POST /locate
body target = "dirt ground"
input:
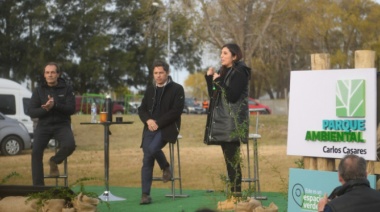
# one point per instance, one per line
(201, 165)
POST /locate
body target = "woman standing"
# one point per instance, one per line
(228, 116)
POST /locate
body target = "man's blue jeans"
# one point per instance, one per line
(152, 145)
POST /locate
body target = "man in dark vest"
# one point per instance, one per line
(355, 193)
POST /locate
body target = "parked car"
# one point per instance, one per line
(14, 102)
(128, 107)
(135, 104)
(255, 106)
(14, 136)
(192, 107)
(83, 104)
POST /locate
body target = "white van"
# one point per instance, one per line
(14, 102)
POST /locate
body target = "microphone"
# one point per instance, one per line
(213, 86)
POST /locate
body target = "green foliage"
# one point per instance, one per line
(97, 43)
(196, 84)
(9, 176)
(64, 193)
(299, 163)
(230, 184)
(283, 181)
(54, 193)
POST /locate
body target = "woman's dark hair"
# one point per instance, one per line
(235, 51)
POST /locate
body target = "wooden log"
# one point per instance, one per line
(326, 164)
(366, 59)
(310, 163)
(320, 61)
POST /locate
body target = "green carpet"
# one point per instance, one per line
(197, 199)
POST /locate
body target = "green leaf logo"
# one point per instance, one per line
(350, 98)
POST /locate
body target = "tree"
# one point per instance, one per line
(278, 36)
(280, 51)
(34, 15)
(196, 85)
(244, 22)
(105, 45)
(81, 27)
(12, 42)
(101, 45)
(147, 37)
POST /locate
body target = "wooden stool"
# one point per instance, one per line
(63, 175)
(172, 168)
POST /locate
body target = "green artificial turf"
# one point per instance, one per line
(197, 199)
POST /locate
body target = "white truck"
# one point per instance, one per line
(14, 102)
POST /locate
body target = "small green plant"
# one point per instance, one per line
(64, 193)
(55, 193)
(9, 176)
(299, 163)
(284, 182)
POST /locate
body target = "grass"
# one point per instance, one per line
(201, 165)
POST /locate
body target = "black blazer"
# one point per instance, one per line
(171, 107)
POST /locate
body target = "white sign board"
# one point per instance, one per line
(332, 113)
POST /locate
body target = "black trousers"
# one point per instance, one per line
(42, 135)
(231, 152)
